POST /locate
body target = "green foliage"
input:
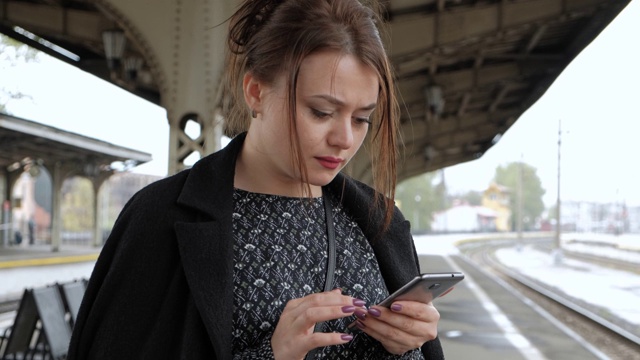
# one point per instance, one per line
(473, 198)
(13, 52)
(532, 192)
(419, 198)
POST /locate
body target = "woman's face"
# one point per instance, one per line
(335, 97)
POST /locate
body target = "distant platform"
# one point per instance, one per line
(39, 255)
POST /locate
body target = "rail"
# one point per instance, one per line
(606, 336)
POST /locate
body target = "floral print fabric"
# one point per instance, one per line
(280, 253)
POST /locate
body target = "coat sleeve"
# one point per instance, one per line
(402, 241)
(394, 250)
(137, 304)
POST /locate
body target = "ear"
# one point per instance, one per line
(252, 89)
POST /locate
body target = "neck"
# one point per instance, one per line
(252, 174)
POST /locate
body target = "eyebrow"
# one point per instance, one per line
(338, 102)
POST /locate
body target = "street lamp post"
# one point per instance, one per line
(416, 215)
(557, 253)
(520, 203)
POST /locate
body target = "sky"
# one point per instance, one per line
(595, 100)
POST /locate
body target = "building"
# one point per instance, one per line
(464, 218)
(497, 198)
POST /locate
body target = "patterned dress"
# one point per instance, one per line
(280, 253)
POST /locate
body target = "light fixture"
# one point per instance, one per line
(434, 101)
(496, 139)
(114, 45)
(430, 153)
(34, 170)
(91, 169)
(132, 66)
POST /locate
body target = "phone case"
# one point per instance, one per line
(424, 288)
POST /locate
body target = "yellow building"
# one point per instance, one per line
(496, 198)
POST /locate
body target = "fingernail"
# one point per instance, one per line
(359, 303)
(348, 309)
(375, 312)
(360, 325)
(396, 307)
(360, 314)
(346, 337)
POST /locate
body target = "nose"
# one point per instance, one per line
(341, 133)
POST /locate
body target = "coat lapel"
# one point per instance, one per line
(206, 244)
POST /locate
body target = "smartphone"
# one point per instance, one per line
(424, 288)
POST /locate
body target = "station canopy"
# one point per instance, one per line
(30, 145)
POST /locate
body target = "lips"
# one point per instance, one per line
(329, 162)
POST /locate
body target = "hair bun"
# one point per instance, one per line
(253, 15)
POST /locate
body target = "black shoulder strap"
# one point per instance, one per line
(331, 257)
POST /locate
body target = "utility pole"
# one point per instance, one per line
(520, 203)
(557, 254)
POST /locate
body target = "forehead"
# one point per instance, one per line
(341, 75)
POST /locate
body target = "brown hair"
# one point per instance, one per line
(270, 38)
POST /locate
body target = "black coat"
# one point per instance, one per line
(162, 287)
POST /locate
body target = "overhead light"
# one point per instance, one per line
(91, 169)
(34, 170)
(13, 167)
(114, 45)
(434, 100)
(132, 66)
(430, 153)
(496, 139)
(43, 42)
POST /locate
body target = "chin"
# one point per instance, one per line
(321, 179)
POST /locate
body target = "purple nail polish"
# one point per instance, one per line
(360, 314)
(396, 307)
(346, 337)
(348, 309)
(360, 325)
(375, 312)
(358, 302)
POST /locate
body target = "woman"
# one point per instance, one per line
(264, 249)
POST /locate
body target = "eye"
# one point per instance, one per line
(319, 114)
(363, 120)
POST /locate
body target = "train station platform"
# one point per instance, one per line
(38, 255)
(481, 318)
(484, 318)
(32, 266)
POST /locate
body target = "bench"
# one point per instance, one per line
(43, 322)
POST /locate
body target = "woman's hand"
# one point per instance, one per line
(294, 336)
(405, 326)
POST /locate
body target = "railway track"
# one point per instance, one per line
(8, 309)
(9, 305)
(612, 337)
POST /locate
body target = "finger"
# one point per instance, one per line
(416, 310)
(297, 347)
(319, 339)
(394, 340)
(396, 326)
(333, 297)
(303, 313)
(410, 317)
(312, 315)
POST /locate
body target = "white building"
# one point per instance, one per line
(464, 218)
